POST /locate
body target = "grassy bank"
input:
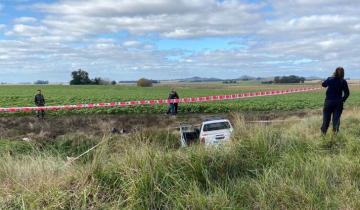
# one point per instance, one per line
(279, 166)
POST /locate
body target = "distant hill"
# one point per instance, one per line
(200, 79)
(214, 79)
(129, 81)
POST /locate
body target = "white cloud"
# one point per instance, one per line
(307, 7)
(25, 20)
(272, 37)
(27, 30)
(356, 27)
(110, 8)
(177, 19)
(132, 44)
(320, 21)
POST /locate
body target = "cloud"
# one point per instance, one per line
(132, 44)
(27, 30)
(307, 7)
(119, 38)
(25, 20)
(111, 8)
(176, 19)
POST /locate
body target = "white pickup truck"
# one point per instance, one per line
(211, 132)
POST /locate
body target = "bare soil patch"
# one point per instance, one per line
(97, 125)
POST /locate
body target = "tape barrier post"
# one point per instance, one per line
(160, 101)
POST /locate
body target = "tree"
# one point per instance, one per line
(101, 81)
(97, 81)
(144, 83)
(277, 79)
(41, 82)
(113, 82)
(231, 81)
(289, 79)
(80, 77)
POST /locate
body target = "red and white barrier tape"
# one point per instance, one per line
(161, 101)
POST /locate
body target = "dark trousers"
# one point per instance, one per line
(332, 108)
(171, 109)
(176, 107)
(40, 113)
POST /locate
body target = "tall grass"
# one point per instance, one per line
(287, 166)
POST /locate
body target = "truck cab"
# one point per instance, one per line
(213, 131)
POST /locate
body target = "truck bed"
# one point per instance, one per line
(189, 135)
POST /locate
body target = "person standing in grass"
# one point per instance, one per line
(173, 106)
(176, 96)
(40, 102)
(336, 94)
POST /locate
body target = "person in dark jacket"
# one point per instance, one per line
(176, 96)
(40, 102)
(173, 106)
(336, 94)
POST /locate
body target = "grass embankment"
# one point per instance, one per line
(287, 166)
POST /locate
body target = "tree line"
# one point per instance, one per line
(286, 79)
(81, 77)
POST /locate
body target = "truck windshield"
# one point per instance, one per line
(216, 126)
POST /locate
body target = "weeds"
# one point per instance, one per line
(265, 167)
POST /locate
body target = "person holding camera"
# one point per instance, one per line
(336, 94)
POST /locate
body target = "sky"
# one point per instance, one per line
(172, 39)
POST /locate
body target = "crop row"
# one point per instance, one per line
(59, 95)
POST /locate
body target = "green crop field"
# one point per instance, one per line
(63, 94)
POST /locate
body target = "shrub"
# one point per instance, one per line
(144, 82)
(41, 82)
